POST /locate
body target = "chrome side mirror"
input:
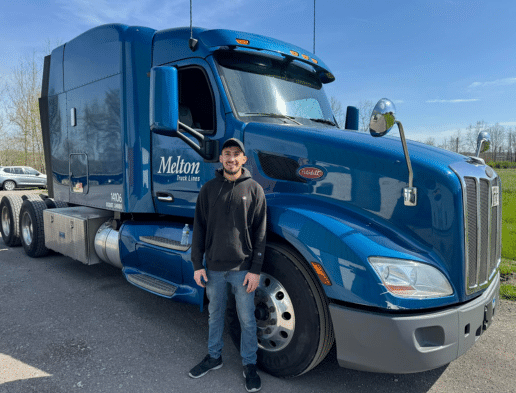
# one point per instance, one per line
(382, 120)
(483, 142)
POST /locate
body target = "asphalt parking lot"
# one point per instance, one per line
(68, 327)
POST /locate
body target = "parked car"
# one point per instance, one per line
(12, 177)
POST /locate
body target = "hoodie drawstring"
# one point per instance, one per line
(230, 200)
(228, 207)
(216, 199)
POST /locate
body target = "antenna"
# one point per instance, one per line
(192, 42)
(314, 27)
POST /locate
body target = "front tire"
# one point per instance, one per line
(295, 332)
(32, 228)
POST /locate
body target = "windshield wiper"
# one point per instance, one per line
(325, 121)
(275, 115)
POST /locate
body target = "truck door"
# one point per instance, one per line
(178, 171)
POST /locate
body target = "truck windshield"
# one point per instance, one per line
(274, 88)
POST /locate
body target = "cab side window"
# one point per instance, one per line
(196, 104)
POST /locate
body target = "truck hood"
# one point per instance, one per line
(358, 175)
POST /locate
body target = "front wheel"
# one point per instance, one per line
(32, 228)
(295, 332)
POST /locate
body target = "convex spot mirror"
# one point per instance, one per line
(163, 100)
(383, 118)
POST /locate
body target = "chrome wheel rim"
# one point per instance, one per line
(9, 185)
(27, 228)
(274, 313)
(6, 222)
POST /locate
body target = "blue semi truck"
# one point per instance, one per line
(388, 250)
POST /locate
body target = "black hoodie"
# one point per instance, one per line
(230, 224)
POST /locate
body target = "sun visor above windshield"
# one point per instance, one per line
(215, 39)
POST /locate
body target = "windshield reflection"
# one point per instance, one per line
(274, 88)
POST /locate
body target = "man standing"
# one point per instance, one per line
(229, 231)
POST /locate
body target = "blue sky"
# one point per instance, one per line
(446, 64)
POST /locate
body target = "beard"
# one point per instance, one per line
(232, 173)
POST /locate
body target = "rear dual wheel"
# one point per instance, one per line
(295, 332)
(9, 215)
(32, 228)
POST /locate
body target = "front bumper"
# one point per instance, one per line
(400, 344)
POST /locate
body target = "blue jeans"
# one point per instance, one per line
(216, 290)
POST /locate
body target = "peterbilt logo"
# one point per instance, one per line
(310, 172)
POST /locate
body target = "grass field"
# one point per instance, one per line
(508, 177)
(508, 266)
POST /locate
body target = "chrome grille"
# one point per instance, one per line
(482, 227)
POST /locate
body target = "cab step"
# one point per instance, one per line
(150, 283)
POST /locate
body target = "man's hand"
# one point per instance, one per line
(251, 280)
(198, 274)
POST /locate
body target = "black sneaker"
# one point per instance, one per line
(207, 364)
(253, 382)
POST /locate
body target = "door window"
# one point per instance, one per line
(196, 100)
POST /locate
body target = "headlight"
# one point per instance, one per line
(410, 279)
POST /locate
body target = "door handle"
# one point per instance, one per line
(165, 197)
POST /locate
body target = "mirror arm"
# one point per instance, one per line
(480, 147)
(410, 192)
(206, 147)
(407, 156)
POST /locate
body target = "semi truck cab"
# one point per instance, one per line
(388, 250)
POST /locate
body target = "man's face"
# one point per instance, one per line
(232, 159)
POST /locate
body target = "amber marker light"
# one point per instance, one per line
(242, 41)
(305, 57)
(315, 61)
(321, 273)
(294, 53)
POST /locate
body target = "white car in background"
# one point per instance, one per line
(12, 177)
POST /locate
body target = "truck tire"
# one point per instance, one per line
(295, 332)
(9, 215)
(52, 203)
(32, 228)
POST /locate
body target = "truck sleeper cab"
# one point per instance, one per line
(133, 120)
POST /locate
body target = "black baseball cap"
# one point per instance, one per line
(234, 142)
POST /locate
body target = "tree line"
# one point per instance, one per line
(20, 127)
(503, 139)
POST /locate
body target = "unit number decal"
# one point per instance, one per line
(116, 201)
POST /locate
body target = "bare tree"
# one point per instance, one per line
(497, 140)
(430, 141)
(365, 108)
(338, 112)
(511, 144)
(23, 112)
(457, 142)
